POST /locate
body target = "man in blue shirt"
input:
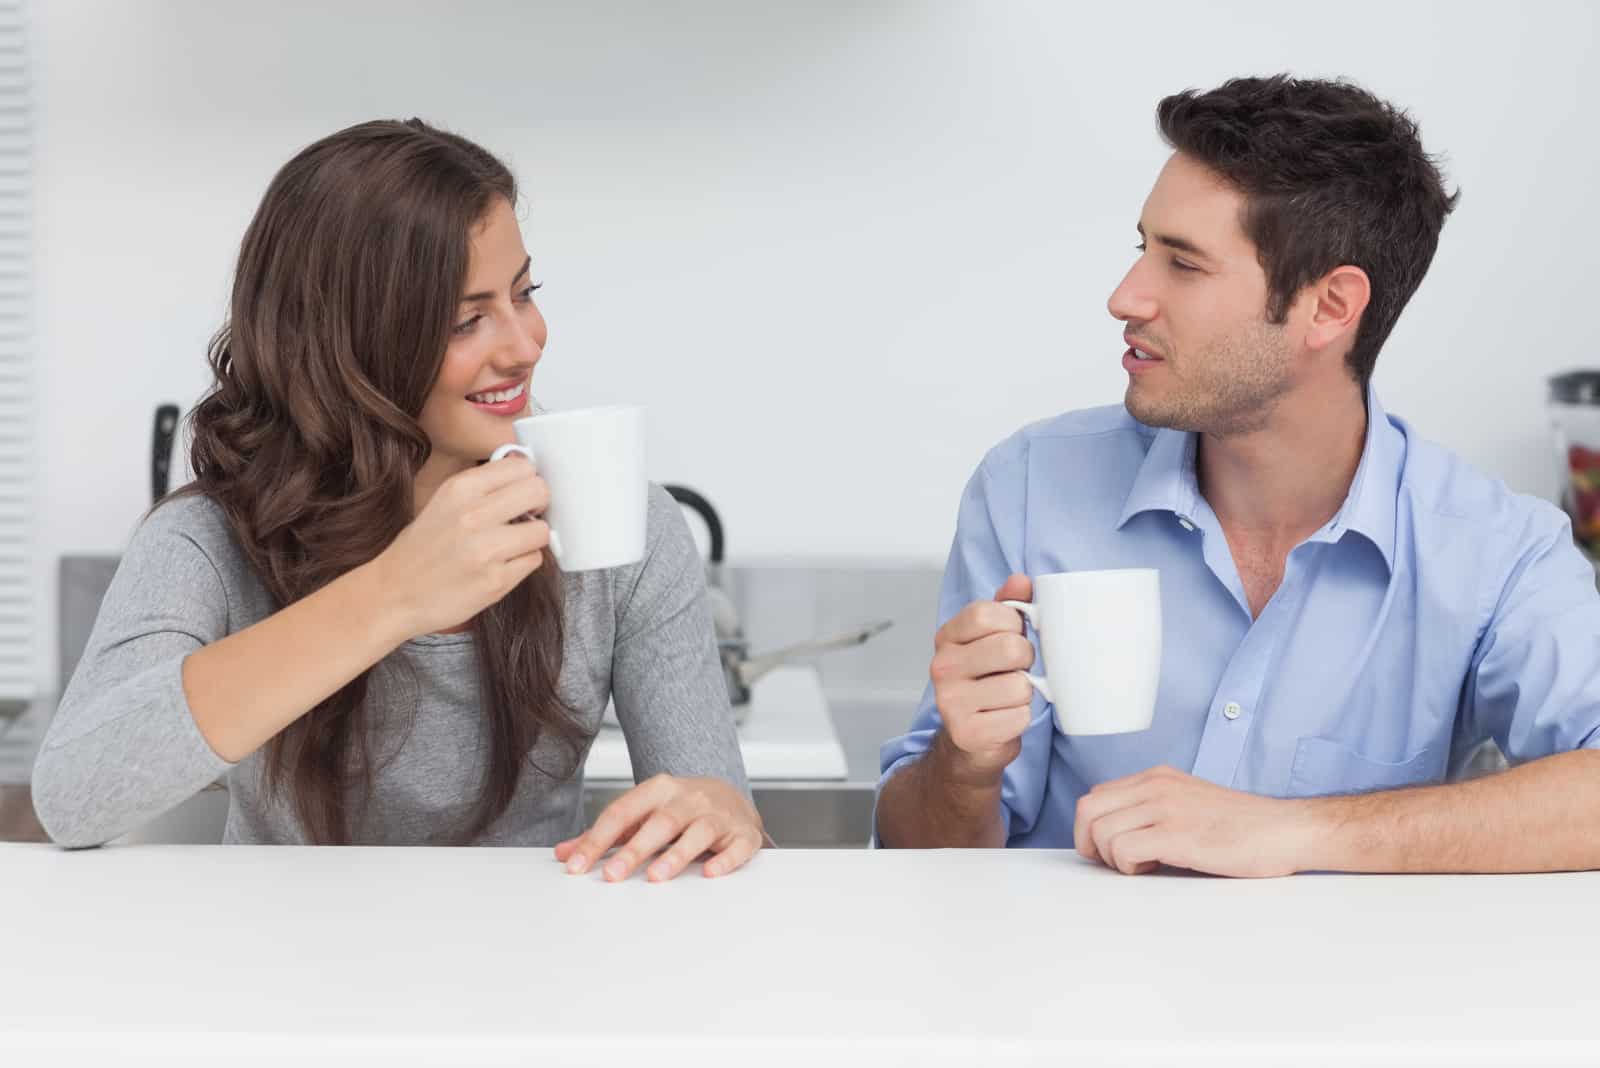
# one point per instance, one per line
(1348, 611)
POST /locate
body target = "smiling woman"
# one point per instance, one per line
(339, 615)
(494, 345)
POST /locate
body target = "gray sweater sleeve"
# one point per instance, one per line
(123, 747)
(666, 674)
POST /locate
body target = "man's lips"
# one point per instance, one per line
(1143, 347)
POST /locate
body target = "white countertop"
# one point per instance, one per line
(495, 956)
(787, 734)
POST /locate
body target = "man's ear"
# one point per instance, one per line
(1337, 303)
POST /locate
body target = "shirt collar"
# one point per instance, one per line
(1167, 482)
(1369, 508)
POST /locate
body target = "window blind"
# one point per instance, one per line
(17, 417)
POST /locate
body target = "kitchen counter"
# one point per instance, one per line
(802, 811)
(179, 955)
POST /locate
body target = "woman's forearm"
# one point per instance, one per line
(245, 688)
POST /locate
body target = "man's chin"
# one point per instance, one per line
(1149, 411)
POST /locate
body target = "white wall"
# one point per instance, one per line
(838, 249)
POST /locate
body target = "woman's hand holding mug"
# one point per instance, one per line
(464, 551)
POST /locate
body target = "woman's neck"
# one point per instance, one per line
(434, 471)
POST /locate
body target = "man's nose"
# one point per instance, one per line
(1132, 300)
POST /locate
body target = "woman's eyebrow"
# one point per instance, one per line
(486, 295)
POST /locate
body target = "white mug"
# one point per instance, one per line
(593, 461)
(1100, 636)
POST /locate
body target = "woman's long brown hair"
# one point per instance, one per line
(348, 282)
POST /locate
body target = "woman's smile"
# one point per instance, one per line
(502, 400)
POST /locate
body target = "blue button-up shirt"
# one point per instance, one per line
(1436, 610)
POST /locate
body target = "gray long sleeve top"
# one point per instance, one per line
(123, 746)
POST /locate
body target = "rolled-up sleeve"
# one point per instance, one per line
(1534, 686)
(987, 550)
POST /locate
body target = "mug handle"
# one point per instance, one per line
(1030, 613)
(507, 450)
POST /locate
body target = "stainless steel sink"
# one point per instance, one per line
(820, 815)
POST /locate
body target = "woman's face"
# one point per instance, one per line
(497, 339)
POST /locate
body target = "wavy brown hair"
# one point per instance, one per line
(347, 285)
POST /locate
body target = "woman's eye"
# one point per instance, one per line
(466, 327)
(527, 294)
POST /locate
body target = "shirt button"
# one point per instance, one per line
(1185, 524)
(1231, 710)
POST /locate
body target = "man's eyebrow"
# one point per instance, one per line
(1182, 244)
(486, 295)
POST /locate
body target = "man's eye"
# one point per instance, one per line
(467, 326)
(1180, 265)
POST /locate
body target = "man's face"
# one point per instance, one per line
(1195, 302)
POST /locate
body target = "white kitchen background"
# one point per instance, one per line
(839, 249)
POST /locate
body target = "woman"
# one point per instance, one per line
(340, 616)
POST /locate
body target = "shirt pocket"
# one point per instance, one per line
(1324, 767)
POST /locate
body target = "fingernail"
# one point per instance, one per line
(614, 870)
(577, 863)
(658, 871)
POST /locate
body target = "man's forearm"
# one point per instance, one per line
(1542, 816)
(928, 805)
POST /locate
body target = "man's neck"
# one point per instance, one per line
(1282, 482)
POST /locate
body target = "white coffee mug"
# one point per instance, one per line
(593, 461)
(1100, 636)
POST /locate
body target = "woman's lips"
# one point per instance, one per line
(514, 406)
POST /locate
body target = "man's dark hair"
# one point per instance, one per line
(1331, 175)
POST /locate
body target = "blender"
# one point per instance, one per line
(1574, 409)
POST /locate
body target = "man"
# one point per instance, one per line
(1348, 611)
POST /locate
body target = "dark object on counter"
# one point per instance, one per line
(731, 644)
(688, 497)
(1576, 387)
(166, 429)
